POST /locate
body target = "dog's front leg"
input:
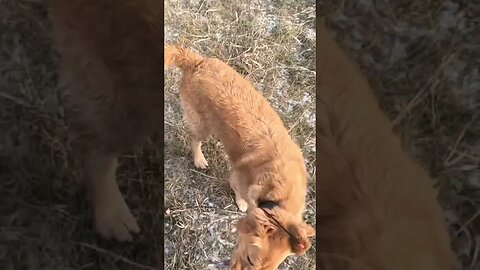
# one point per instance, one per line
(236, 185)
(112, 215)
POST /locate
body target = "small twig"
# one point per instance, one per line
(203, 174)
(298, 120)
(301, 68)
(419, 97)
(447, 162)
(14, 99)
(470, 220)
(476, 252)
(201, 5)
(431, 85)
(116, 256)
(200, 40)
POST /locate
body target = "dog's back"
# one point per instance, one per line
(378, 209)
(238, 114)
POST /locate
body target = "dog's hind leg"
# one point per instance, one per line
(198, 132)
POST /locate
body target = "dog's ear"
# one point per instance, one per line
(244, 225)
(309, 230)
(300, 240)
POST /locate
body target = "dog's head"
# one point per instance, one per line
(262, 243)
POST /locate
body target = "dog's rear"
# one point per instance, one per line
(180, 57)
(377, 208)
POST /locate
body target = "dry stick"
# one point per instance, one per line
(419, 97)
(470, 220)
(476, 252)
(203, 174)
(448, 162)
(116, 256)
(422, 94)
(14, 99)
(298, 120)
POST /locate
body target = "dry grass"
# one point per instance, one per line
(422, 58)
(271, 44)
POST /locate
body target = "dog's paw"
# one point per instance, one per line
(200, 162)
(242, 205)
(114, 220)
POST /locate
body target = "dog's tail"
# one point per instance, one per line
(180, 57)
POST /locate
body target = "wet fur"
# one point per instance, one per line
(266, 163)
(377, 209)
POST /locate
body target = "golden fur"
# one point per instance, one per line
(266, 163)
(110, 60)
(377, 209)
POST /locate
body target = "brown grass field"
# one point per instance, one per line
(273, 45)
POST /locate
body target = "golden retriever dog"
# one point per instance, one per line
(268, 174)
(377, 209)
(110, 60)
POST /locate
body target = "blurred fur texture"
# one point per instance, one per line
(377, 209)
(110, 61)
(267, 165)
